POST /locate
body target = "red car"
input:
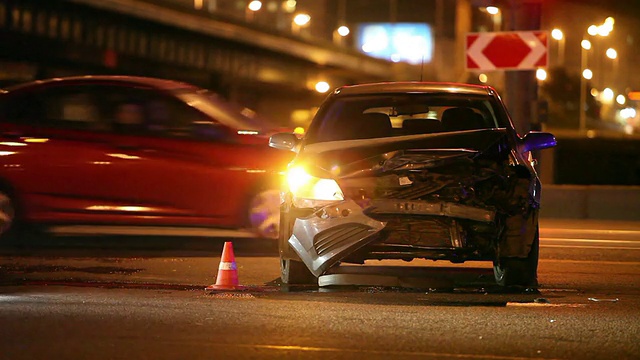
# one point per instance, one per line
(114, 153)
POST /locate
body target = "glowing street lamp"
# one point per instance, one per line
(558, 35)
(299, 21)
(343, 31)
(541, 74)
(322, 87)
(496, 15)
(612, 53)
(340, 33)
(586, 75)
(252, 8)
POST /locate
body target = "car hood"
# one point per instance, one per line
(364, 157)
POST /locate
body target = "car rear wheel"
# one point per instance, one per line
(7, 215)
(519, 271)
(264, 213)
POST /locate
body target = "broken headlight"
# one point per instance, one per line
(309, 191)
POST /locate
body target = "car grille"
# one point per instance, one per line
(420, 231)
(339, 236)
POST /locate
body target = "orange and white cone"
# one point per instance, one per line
(227, 278)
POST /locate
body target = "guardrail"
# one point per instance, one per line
(591, 202)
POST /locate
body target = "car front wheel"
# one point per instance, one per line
(519, 271)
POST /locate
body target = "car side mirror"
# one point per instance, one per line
(538, 140)
(284, 141)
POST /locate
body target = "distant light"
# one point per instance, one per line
(620, 99)
(594, 92)
(587, 74)
(628, 113)
(541, 74)
(557, 34)
(483, 78)
(604, 30)
(492, 10)
(609, 21)
(607, 95)
(612, 53)
(586, 44)
(634, 95)
(322, 87)
(302, 19)
(343, 31)
(255, 5)
(289, 6)
(299, 130)
(592, 30)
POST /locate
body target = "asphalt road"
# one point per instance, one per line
(105, 299)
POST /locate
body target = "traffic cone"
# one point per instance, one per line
(227, 278)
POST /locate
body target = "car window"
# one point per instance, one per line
(362, 117)
(134, 111)
(68, 107)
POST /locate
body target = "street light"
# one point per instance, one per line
(496, 16)
(299, 21)
(252, 8)
(586, 75)
(340, 33)
(558, 35)
(594, 30)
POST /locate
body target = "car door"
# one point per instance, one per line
(172, 164)
(65, 152)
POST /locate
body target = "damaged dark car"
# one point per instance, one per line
(411, 171)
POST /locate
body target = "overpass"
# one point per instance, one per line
(270, 71)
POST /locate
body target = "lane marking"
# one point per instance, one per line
(590, 231)
(566, 261)
(436, 355)
(590, 240)
(591, 247)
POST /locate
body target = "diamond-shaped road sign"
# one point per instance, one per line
(510, 50)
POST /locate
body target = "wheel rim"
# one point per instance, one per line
(7, 213)
(264, 213)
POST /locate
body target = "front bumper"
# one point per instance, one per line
(334, 232)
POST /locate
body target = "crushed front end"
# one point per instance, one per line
(452, 203)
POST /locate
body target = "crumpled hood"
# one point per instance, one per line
(367, 157)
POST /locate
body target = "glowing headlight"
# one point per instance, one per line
(304, 186)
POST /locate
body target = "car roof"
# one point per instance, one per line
(414, 87)
(161, 84)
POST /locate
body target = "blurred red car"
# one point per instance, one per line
(113, 153)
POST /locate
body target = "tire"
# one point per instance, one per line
(519, 271)
(264, 213)
(8, 226)
(292, 270)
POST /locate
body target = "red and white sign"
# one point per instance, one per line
(511, 50)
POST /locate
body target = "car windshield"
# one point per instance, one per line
(367, 116)
(230, 114)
